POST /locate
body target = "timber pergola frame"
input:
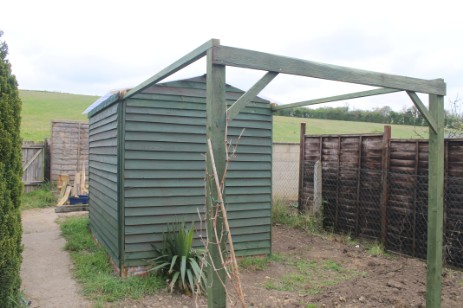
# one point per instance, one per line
(218, 57)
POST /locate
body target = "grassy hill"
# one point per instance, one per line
(41, 107)
(287, 129)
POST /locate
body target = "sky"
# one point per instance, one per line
(93, 47)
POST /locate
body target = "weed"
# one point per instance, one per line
(376, 249)
(94, 271)
(40, 198)
(286, 214)
(311, 305)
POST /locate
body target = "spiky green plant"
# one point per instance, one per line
(179, 262)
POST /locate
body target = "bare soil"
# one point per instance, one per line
(381, 281)
(362, 280)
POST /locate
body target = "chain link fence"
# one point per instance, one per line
(285, 172)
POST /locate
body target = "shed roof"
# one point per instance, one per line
(113, 96)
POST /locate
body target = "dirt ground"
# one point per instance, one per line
(341, 274)
(370, 281)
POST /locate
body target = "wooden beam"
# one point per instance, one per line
(435, 203)
(247, 97)
(184, 61)
(269, 62)
(424, 111)
(336, 98)
(216, 108)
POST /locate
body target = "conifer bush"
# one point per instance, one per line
(10, 183)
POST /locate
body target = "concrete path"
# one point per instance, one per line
(46, 269)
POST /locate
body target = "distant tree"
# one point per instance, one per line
(10, 183)
(454, 118)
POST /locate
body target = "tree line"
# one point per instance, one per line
(384, 115)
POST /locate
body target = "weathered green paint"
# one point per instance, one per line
(103, 180)
(216, 109)
(423, 110)
(120, 184)
(435, 203)
(247, 97)
(336, 98)
(163, 150)
(268, 62)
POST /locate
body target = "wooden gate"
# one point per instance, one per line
(33, 164)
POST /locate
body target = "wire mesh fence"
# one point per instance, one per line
(391, 207)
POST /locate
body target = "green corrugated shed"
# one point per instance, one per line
(147, 169)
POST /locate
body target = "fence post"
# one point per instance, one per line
(302, 208)
(46, 149)
(384, 181)
(317, 183)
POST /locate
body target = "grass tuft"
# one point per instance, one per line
(94, 271)
(40, 198)
(259, 263)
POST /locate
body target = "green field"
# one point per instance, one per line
(287, 129)
(41, 107)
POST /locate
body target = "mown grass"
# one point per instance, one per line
(287, 129)
(40, 198)
(94, 271)
(39, 108)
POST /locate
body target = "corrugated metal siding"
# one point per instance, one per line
(164, 167)
(103, 179)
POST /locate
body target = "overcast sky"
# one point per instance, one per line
(92, 47)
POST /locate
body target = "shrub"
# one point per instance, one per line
(10, 184)
(179, 262)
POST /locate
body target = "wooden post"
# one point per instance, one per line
(384, 181)
(435, 203)
(317, 189)
(302, 207)
(216, 108)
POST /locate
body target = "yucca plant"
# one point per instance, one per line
(179, 262)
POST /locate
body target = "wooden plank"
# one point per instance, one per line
(268, 62)
(336, 98)
(65, 197)
(175, 67)
(71, 208)
(76, 187)
(435, 203)
(247, 97)
(32, 159)
(385, 166)
(423, 110)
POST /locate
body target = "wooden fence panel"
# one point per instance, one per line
(32, 162)
(378, 188)
(68, 149)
